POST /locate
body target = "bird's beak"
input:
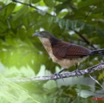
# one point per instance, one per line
(36, 34)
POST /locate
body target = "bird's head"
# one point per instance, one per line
(43, 34)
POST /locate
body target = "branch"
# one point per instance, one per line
(16, 1)
(26, 4)
(30, 5)
(97, 67)
(81, 36)
(85, 39)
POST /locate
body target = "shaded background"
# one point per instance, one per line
(22, 56)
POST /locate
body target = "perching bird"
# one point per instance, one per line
(64, 53)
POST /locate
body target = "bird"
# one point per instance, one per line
(64, 53)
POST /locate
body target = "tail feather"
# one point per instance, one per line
(100, 51)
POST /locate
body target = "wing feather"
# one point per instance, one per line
(69, 51)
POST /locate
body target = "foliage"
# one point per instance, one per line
(23, 56)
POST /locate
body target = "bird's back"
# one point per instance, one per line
(69, 51)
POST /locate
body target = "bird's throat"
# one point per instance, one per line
(47, 45)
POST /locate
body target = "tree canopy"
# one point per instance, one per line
(23, 56)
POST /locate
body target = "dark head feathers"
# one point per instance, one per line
(44, 34)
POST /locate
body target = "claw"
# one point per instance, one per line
(77, 72)
(59, 75)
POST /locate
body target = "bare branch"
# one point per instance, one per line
(97, 67)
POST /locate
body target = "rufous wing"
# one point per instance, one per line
(69, 51)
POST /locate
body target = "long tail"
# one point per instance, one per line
(99, 51)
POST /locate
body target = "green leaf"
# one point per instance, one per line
(3, 27)
(50, 3)
(61, 0)
(7, 11)
(35, 1)
(20, 13)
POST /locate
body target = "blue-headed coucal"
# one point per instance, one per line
(64, 53)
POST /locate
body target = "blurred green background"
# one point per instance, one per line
(22, 56)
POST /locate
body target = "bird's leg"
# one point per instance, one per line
(59, 73)
(77, 70)
(61, 70)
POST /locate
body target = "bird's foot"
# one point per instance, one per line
(59, 74)
(77, 71)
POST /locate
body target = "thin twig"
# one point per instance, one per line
(96, 81)
(83, 38)
(31, 5)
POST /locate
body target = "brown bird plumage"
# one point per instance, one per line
(64, 53)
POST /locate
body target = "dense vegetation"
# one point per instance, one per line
(22, 56)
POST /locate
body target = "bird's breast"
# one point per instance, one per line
(66, 63)
(47, 45)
